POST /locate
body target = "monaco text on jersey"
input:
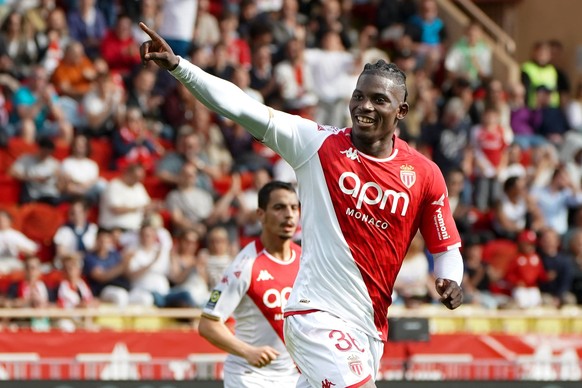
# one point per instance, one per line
(372, 193)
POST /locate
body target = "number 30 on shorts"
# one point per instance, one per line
(344, 341)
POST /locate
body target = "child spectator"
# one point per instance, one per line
(526, 271)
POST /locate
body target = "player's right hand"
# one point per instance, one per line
(157, 50)
(261, 356)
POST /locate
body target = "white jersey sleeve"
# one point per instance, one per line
(228, 293)
(294, 138)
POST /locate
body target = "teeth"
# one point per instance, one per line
(365, 120)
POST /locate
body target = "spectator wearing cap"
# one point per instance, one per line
(526, 271)
(554, 124)
(38, 173)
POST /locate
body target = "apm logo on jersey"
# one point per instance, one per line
(371, 193)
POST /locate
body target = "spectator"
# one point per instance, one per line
(524, 121)
(516, 210)
(526, 271)
(413, 283)
(556, 59)
(237, 50)
(189, 205)
(428, 31)
(38, 173)
(119, 48)
(332, 67)
(556, 199)
(141, 94)
(188, 271)
(470, 56)
(87, 25)
(177, 25)
(150, 14)
(31, 292)
(295, 81)
(13, 244)
(77, 235)
(74, 75)
(538, 71)
(459, 187)
(490, 150)
(514, 166)
(559, 268)
(447, 141)
(553, 124)
(288, 23)
(18, 42)
(125, 200)
(188, 149)
(149, 268)
(79, 174)
(104, 104)
(57, 38)
(217, 255)
(39, 14)
(73, 292)
(105, 267)
(367, 50)
(262, 77)
(480, 276)
(133, 142)
(575, 252)
(37, 110)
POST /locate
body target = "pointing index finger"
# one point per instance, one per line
(149, 31)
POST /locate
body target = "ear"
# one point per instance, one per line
(402, 111)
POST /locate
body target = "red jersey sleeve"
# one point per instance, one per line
(437, 224)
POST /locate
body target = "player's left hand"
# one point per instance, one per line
(450, 292)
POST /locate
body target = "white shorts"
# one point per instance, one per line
(255, 380)
(329, 352)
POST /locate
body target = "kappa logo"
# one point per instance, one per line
(440, 201)
(264, 275)
(327, 384)
(351, 153)
(237, 274)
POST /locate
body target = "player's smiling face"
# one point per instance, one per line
(376, 104)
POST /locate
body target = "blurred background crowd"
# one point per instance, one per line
(118, 187)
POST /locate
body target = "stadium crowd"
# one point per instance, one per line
(119, 187)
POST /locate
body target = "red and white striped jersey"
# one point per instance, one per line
(254, 291)
(359, 214)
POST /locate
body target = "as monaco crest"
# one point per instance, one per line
(407, 175)
(355, 365)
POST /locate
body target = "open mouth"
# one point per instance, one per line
(362, 120)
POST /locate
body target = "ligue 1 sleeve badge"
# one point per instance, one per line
(407, 175)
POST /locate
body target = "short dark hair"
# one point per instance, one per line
(267, 189)
(388, 70)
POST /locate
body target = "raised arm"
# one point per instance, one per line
(217, 94)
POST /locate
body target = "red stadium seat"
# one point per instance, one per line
(40, 223)
(102, 153)
(9, 190)
(499, 253)
(156, 188)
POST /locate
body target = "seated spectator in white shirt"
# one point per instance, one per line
(13, 244)
(217, 255)
(79, 175)
(39, 174)
(125, 200)
(77, 235)
(149, 270)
